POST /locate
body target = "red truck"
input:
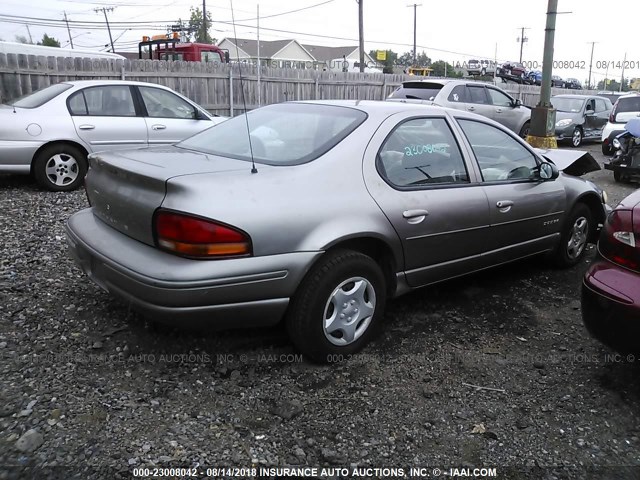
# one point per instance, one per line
(166, 47)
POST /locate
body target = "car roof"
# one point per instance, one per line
(93, 83)
(573, 95)
(382, 107)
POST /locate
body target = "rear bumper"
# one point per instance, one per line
(227, 293)
(611, 306)
(16, 156)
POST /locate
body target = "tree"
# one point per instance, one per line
(388, 63)
(613, 85)
(195, 26)
(406, 60)
(444, 69)
(22, 39)
(48, 41)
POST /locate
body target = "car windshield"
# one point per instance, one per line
(564, 104)
(417, 91)
(40, 97)
(281, 134)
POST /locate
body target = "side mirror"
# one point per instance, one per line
(517, 103)
(547, 171)
(198, 115)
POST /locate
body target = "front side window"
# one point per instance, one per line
(422, 152)
(280, 134)
(163, 104)
(110, 100)
(498, 98)
(500, 156)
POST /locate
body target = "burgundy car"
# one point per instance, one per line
(611, 286)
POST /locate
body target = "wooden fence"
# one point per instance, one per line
(220, 88)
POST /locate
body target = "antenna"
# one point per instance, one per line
(244, 103)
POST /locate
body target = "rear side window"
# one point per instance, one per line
(457, 94)
(421, 151)
(477, 95)
(417, 91)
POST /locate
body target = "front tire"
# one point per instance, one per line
(524, 131)
(338, 307)
(60, 167)
(575, 235)
(576, 138)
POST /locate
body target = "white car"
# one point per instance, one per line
(625, 108)
(50, 132)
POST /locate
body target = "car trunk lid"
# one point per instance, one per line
(126, 187)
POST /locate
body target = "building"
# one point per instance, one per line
(292, 54)
(274, 53)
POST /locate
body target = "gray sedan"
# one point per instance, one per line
(321, 213)
(50, 132)
(477, 97)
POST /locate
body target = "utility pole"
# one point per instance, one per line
(415, 6)
(68, 30)
(543, 115)
(259, 67)
(361, 34)
(622, 78)
(522, 39)
(591, 63)
(204, 21)
(104, 10)
(29, 32)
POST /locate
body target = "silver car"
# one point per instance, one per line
(50, 132)
(477, 97)
(323, 212)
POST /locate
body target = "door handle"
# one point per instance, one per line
(159, 127)
(471, 109)
(86, 127)
(504, 203)
(415, 216)
(498, 110)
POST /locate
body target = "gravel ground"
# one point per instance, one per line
(88, 385)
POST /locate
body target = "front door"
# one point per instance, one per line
(169, 118)
(504, 110)
(525, 212)
(416, 172)
(478, 101)
(105, 118)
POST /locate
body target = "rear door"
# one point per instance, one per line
(168, 117)
(478, 101)
(106, 117)
(416, 172)
(525, 213)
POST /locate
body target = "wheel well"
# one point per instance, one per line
(379, 251)
(59, 142)
(594, 204)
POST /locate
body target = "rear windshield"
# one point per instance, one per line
(40, 97)
(631, 104)
(417, 91)
(282, 134)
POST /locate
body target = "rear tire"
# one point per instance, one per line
(338, 306)
(574, 237)
(60, 167)
(524, 131)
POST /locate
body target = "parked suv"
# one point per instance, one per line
(481, 67)
(625, 108)
(573, 83)
(482, 98)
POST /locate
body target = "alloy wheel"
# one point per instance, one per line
(62, 169)
(578, 239)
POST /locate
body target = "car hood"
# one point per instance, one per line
(571, 115)
(572, 162)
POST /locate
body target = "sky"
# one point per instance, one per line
(451, 30)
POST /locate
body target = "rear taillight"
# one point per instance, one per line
(198, 237)
(619, 242)
(612, 115)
